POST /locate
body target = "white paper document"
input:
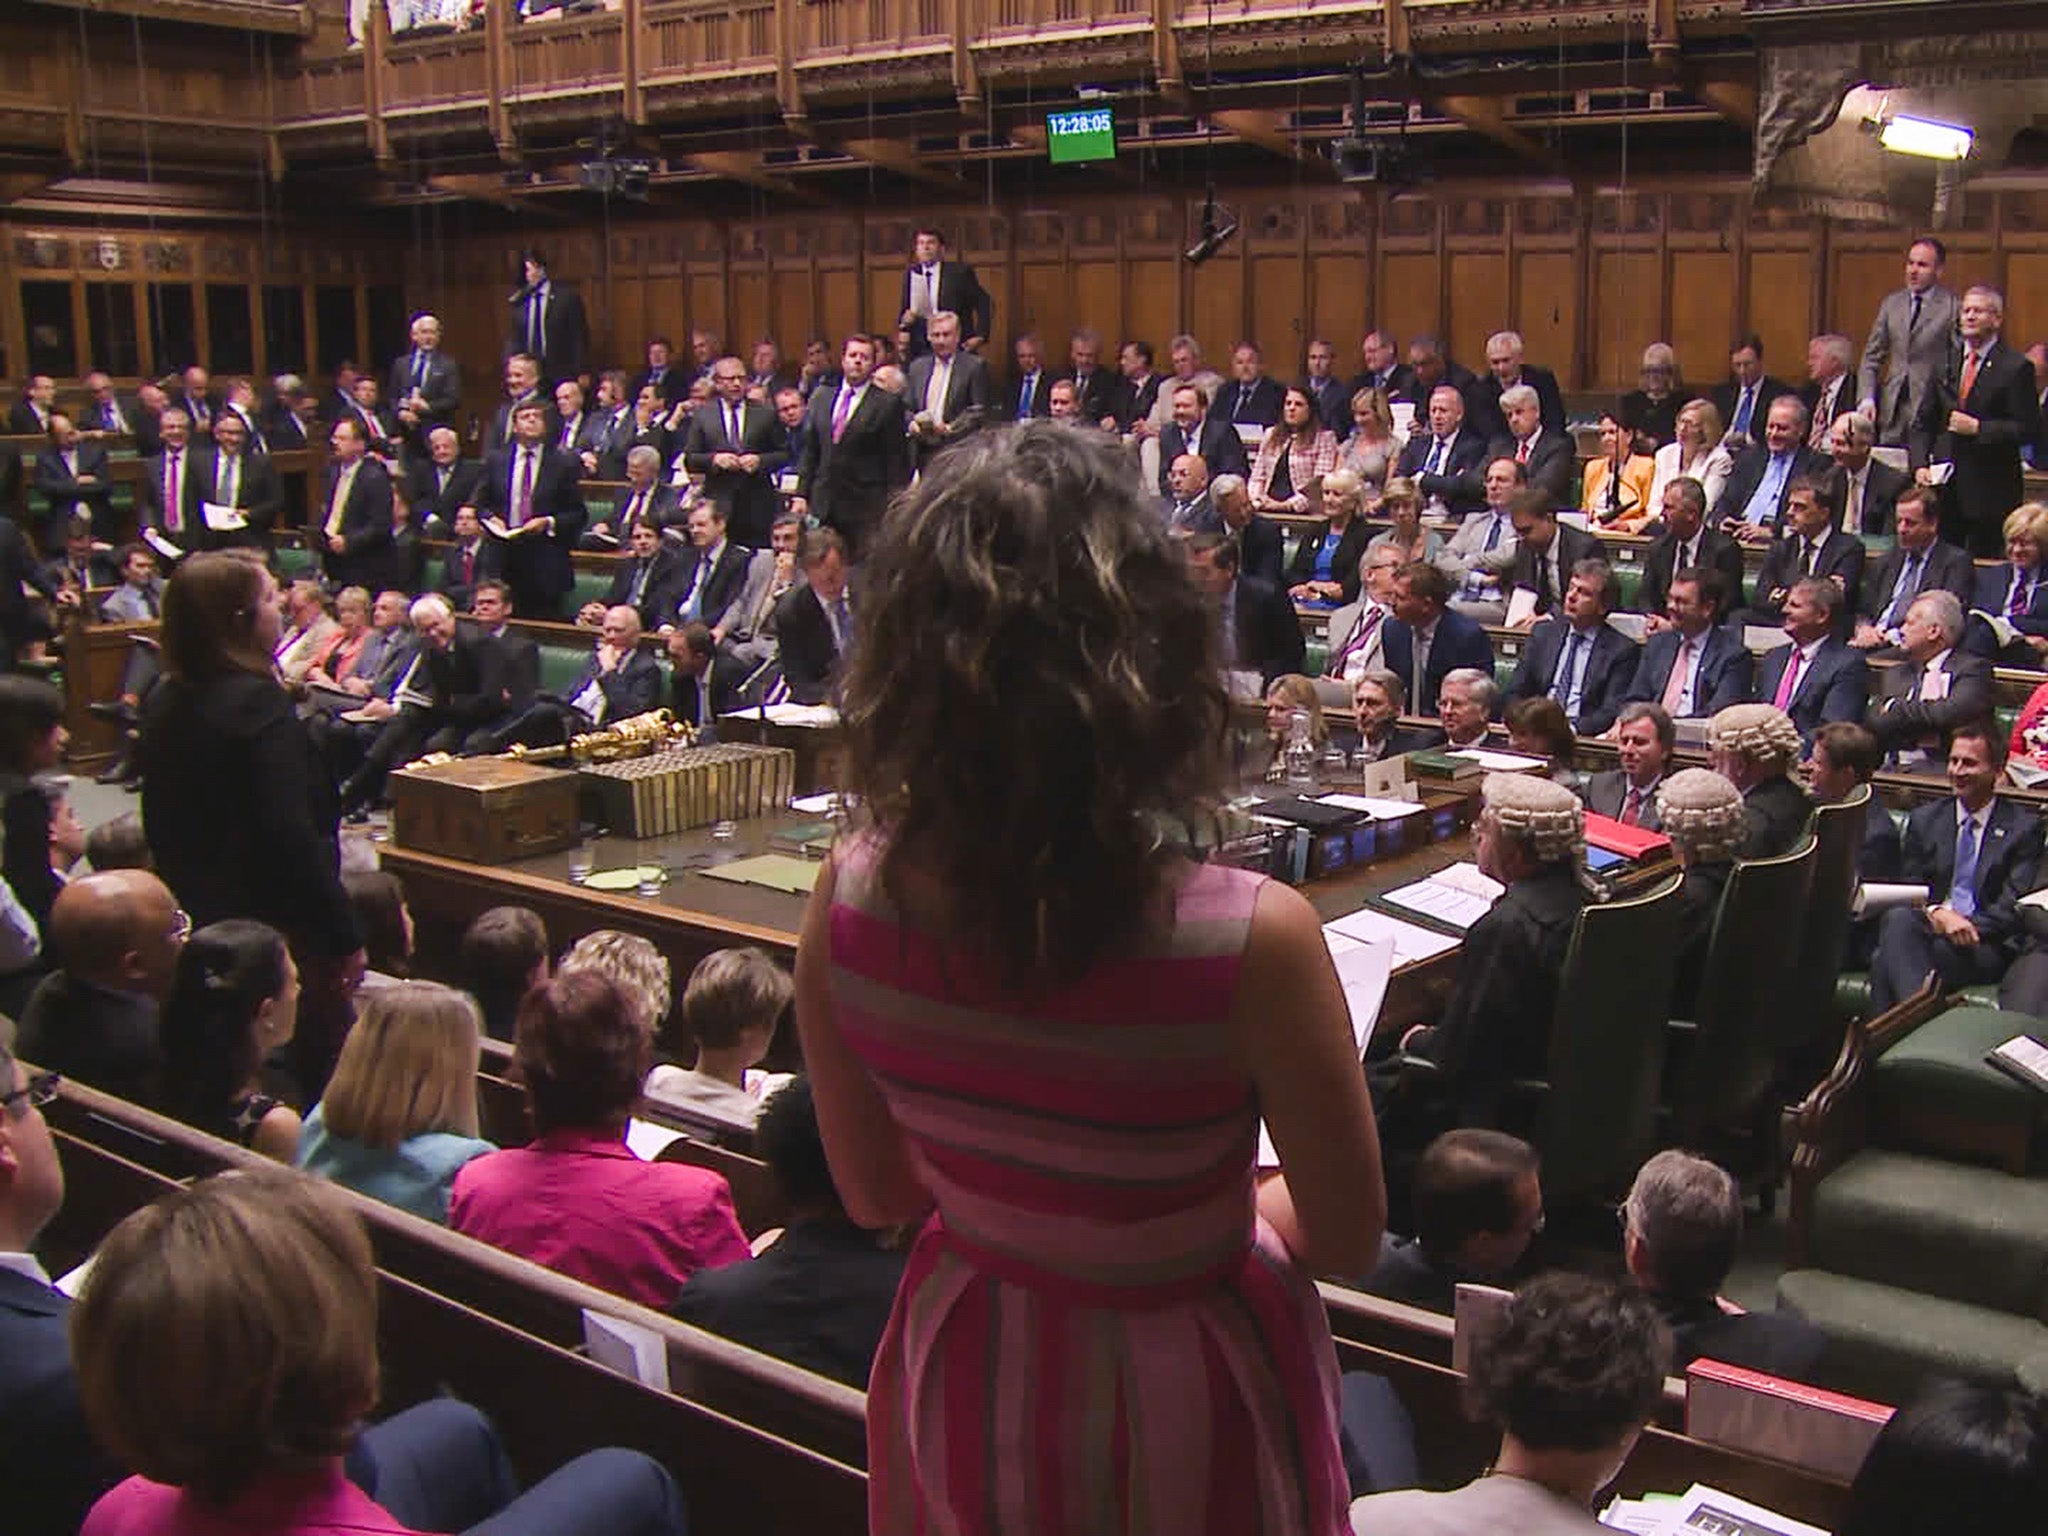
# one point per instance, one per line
(1704, 1511)
(162, 545)
(1363, 969)
(1521, 608)
(627, 1348)
(224, 519)
(1457, 896)
(1411, 942)
(790, 714)
(1498, 762)
(1873, 899)
(647, 1141)
(815, 805)
(1377, 807)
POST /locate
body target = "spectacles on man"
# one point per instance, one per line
(38, 1091)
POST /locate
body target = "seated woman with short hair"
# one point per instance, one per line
(226, 1348)
(733, 1003)
(577, 1199)
(399, 1118)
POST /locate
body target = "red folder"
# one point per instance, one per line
(1618, 837)
(1822, 1432)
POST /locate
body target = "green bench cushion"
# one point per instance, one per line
(560, 666)
(1969, 1234)
(590, 587)
(1886, 1342)
(1940, 1068)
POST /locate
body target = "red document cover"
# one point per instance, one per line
(1617, 837)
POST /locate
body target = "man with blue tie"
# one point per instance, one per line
(426, 386)
(1977, 854)
(814, 621)
(1745, 400)
(1447, 462)
(715, 574)
(1577, 657)
(1752, 504)
(1030, 393)
(1250, 399)
(548, 323)
(1919, 561)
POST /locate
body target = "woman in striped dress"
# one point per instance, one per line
(1036, 1027)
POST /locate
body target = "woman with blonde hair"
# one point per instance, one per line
(1371, 449)
(400, 1113)
(640, 970)
(1045, 1036)
(1325, 568)
(225, 1344)
(1696, 453)
(1402, 502)
(2016, 591)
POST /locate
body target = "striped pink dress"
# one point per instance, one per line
(1095, 1334)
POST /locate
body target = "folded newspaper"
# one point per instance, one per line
(1701, 1511)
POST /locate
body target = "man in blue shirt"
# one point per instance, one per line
(1752, 503)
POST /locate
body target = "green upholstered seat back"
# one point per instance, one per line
(1598, 1119)
(1838, 840)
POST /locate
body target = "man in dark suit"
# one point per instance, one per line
(821, 1296)
(1424, 640)
(662, 376)
(1258, 538)
(1981, 408)
(439, 481)
(1447, 461)
(791, 417)
(1332, 396)
(1753, 747)
(1810, 547)
(643, 500)
(522, 387)
(491, 616)
(1137, 388)
(470, 559)
(1505, 369)
(1681, 1229)
(712, 573)
(1029, 392)
(1830, 389)
(1977, 854)
(1197, 429)
(380, 425)
(103, 412)
(948, 391)
(1745, 400)
(73, 477)
(353, 514)
(1842, 758)
(170, 489)
(1694, 666)
(1095, 386)
(619, 680)
(1818, 678)
(578, 431)
(932, 283)
(649, 580)
(53, 1468)
(1919, 561)
(814, 621)
(1476, 1204)
(1249, 398)
(856, 455)
(548, 322)
(1432, 367)
(1576, 657)
(1687, 541)
(1936, 688)
(1549, 460)
(464, 679)
(198, 401)
(244, 481)
(1644, 737)
(1383, 370)
(426, 385)
(1547, 552)
(731, 448)
(1260, 632)
(1752, 504)
(30, 415)
(1860, 491)
(529, 497)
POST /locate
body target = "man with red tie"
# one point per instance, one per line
(1980, 410)
(531, 503)
(1819, 677)
(169, 491)
(1644, 738)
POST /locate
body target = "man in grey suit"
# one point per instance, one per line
(1644, 737)
(948, 390)
(1908, 342)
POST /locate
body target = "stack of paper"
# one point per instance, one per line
(1496, 762)
(1411, 943)
(1702, 1511)
(1363, 967)
(1457, 897)
(1377, 807)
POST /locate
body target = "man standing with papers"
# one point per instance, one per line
(243, 493)
(354, 510)
(531, 503)
(1497, 1025)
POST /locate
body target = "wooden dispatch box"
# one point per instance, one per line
(488, 810)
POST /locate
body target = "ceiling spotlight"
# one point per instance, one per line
(1921, 136)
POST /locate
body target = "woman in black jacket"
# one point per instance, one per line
(241, 813)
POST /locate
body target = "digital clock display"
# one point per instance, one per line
(1074, 137)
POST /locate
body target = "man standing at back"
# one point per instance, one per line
(855, 452)
(731, 448)
(1980, 409)
(531, 501)
(1908, 343)
(932, 284)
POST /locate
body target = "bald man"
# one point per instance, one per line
(118, 936)
(620, 680)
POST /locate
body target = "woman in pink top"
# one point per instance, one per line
(1034, 1025)
(577, 1199)
(226, 1347)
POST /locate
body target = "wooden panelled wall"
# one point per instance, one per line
(1589, 279)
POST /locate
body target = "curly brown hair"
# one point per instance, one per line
(1035, 687)
(1578, 1364)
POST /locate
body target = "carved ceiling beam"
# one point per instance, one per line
(738, 165)
(1733, 99)
(1484, 116)
(1268, 131)
(904, 160)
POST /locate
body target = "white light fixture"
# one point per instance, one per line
(1923, 137)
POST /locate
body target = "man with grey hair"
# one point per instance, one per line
(1754, 746)
(1258, 538)
(1981, 408)
(1465, 704)
(1549, 459)
(1681, 1230)
(1859, 490)
(426, 384)
(441, 481)
(1819, 677)
(1938, 688)
(1505, 368)
(1830, 389)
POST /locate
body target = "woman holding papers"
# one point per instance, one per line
(1036, 1027)
(2008, 619)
